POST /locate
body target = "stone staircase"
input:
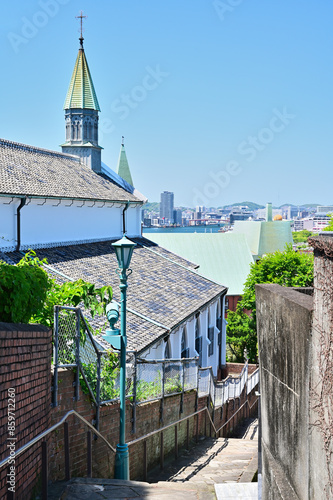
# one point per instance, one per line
(220, 468)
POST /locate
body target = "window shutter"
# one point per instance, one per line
(211, 339)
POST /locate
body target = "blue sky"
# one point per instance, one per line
(219, 101)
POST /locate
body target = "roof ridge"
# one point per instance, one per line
(35, 149)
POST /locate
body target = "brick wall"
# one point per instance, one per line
(25, 367)
(147, 420)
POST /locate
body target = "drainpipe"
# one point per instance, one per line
(18, 222)
(124, 226)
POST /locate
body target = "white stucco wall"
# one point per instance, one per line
(175, 338)
(8, 208)
(46, 222)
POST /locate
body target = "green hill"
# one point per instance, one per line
(250, 204)
(154, 206)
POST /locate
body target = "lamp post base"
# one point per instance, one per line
(121, 470)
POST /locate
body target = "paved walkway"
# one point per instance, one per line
(214, 469)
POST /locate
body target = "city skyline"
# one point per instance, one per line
(216, 101)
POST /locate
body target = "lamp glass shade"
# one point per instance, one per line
(124, 250)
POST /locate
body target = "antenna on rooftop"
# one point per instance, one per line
(81, 17)
(122, 140)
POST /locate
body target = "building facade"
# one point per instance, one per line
(69, 207)
(166, 206)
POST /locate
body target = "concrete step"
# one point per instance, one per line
(103, 489)
(220, 468)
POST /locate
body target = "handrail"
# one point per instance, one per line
(232, 416)
(166, 427)
(51, 429)
(210, 369)
(146, 436)
(253, 373)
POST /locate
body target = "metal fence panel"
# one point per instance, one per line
(152, 379)
(173, 382)
(66, 336)
(204, 381)
(190, 374)
(149, 381)
(252, 381)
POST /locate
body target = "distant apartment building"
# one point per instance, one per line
(327, 209)
(166, 206)
(260, 213)
(177, 216)
(240, 213)
(315, 223)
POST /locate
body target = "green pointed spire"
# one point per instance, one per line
(123, 167)
(81, 92)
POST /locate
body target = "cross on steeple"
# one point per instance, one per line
(81, 17)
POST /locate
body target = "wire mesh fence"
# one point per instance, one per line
(98, 370)
(67, 324)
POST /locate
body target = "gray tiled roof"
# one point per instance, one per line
(26, 170)
(159, 289)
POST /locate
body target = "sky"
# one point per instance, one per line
(220, 101)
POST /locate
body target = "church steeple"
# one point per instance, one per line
(81, 113)
(123, 167)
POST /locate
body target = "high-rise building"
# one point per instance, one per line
(166, 206)
(177, 216)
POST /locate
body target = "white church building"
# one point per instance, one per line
(68, 206)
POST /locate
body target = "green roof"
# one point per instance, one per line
(223, 257)
(81, 92)
(123, 167)
(264, 236)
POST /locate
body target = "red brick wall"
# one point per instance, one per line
(232, 302)
(25, 366)
(147, 420)
(236, 369)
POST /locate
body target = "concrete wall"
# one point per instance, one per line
(321, 404)
(296, 377)
(284, 320)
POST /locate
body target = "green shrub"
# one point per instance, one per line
(23, 289)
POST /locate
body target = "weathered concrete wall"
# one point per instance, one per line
(321, 390)
(284, 319)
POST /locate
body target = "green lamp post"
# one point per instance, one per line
(124, 250)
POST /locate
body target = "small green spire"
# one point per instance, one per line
(81, 92)
(123, 167)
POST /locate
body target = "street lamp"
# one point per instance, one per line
(124, 250)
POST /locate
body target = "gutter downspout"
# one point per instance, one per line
(18, 222)
(124, 225)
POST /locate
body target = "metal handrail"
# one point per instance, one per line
(166, 427)
(51, 429)
(253, 373)
(146, 436)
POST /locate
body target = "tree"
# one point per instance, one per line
(288, 268)
(330, 225)
(302, 236)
